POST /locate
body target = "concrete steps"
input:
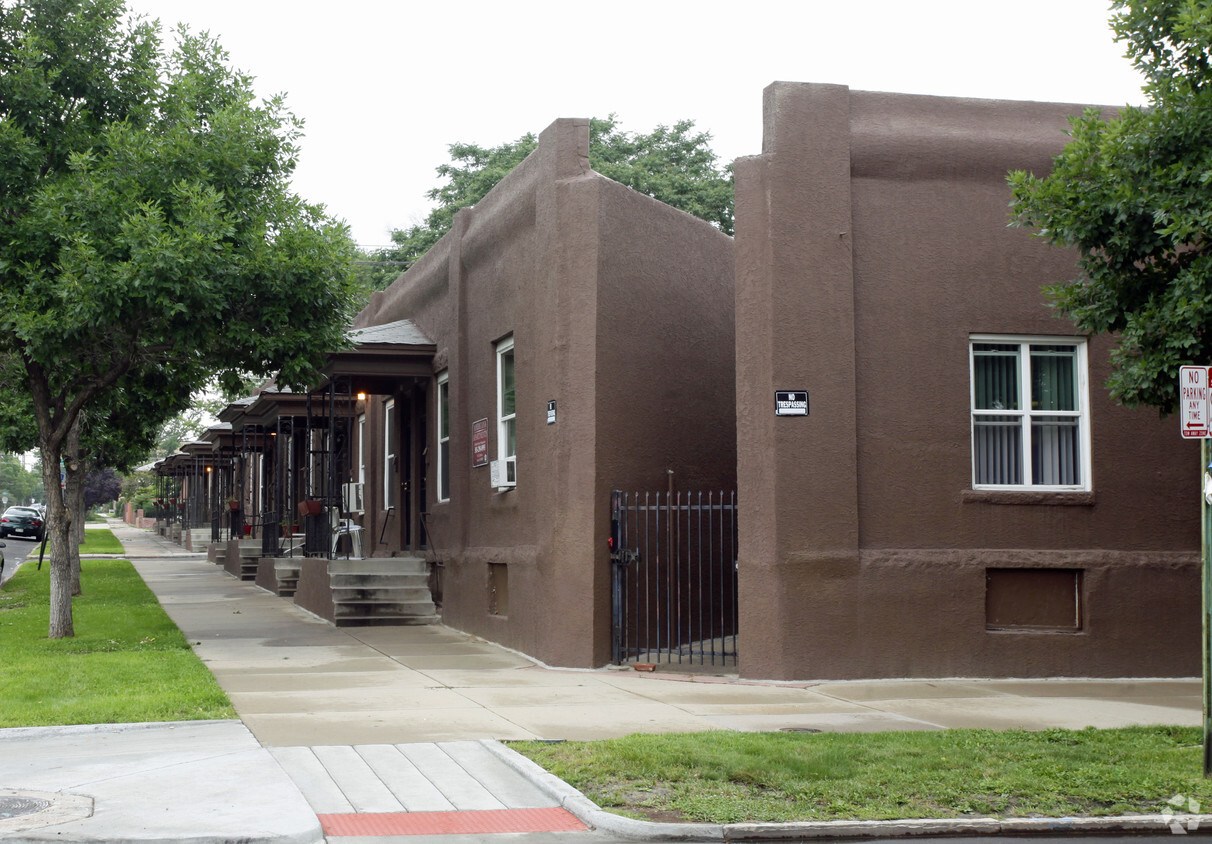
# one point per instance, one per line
(381, 590)
(197, 539)
(250, 558)
(286, 570)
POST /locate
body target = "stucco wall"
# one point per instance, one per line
(872, 240)
(620, 309)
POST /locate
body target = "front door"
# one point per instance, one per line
(412, 414)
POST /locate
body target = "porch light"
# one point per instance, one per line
(361, 396)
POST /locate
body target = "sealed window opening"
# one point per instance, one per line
(498, 589)
(1033, 599)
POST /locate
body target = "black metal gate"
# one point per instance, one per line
(673, 560)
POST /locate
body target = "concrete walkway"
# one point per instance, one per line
(391, 731)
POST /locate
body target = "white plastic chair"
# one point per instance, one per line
(346, 527)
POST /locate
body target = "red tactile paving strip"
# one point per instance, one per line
(452, 823)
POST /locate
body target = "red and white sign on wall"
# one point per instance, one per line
(1193, 407)
(479, 442)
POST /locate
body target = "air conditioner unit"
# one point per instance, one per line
(353, 497)
(503, 474)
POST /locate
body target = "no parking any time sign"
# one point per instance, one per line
(1193, 405)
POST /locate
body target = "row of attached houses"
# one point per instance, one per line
(851, 442)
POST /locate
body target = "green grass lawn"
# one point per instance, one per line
(727, 777)
(127, 663)
(101, 541)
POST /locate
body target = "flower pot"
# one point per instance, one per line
(233, 505)
(311, 507)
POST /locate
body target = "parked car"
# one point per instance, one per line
(22, 521)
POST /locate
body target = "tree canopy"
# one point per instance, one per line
(101, 486)
(149, 238)
(674, 164)
(1132, 192)
(23, 486)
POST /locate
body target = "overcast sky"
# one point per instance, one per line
(386, 85)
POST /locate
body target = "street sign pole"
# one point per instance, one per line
(1195, 422)
(1205, 455)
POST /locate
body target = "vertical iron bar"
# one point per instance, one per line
(726, 563)
(632, 594)
(651, 561)
(1205, 456)
(616, 609)
(733, 577)
(675, 582)
(667, 580)
(700, 634)
(712, 564)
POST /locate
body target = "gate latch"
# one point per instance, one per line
(624, 556)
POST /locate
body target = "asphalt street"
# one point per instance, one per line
(16, 551)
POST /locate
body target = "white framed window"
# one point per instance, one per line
(353, 493)
(443, 407)
(361, 448)
(1030, 413)
(390, 482)
(507, 428)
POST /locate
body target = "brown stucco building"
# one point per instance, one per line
(956, 495)
(582, 332)
(963, 498)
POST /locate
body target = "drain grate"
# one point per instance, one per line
(798, 730)
(14, 807)
(23, 810)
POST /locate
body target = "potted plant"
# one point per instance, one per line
(233, 504)
(311, 507)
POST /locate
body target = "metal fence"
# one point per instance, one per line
(674, 578)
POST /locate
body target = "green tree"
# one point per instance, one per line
(674, 164)
(21, 485)
(1133, 194)
(148, 236)
(101, 487)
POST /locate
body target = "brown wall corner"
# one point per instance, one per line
(314, 592)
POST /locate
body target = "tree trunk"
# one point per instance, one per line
(74, 470)
(59, 525)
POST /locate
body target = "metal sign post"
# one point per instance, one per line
(1195, 412)
(1205, 454)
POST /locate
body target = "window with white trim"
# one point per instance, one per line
(443, 404)
(390, 481)
(361, 448)
(1030, 413)
(507, 430)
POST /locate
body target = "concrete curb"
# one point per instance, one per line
(595, 816)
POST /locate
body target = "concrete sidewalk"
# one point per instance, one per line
(390, 731)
